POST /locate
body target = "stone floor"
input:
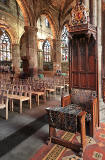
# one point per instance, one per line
(23, 134)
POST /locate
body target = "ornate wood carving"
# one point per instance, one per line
(83, 69)
(83, 64)
(66, 117)
(90, 106)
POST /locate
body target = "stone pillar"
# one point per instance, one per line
(86, 3)
(16, 58)
(40, 60)
(91, 10)
(56, 54)
(94, 16)
(99, 49)
(31, 49)
(103, 38)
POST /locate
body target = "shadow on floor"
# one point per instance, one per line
(19, 136)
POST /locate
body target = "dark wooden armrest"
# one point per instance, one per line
(65, 100)
(83, 113)
(83, 130)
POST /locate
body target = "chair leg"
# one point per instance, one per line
(12, 105)
(6, 112)
(20, 107)
(30, 103)
(38, 99)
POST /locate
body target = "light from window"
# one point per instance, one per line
(47, 51)
(47, 24)
(5, 46)
(64, 45)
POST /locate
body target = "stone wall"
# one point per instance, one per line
(12, 16)
(65, 67)
(12, 21)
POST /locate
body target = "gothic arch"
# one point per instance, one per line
(26, 12)
(50, 41)
(10, 31)
(50, 19)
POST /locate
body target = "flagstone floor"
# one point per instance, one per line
(23, 134)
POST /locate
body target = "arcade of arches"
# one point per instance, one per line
(34, 38)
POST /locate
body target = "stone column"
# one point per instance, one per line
(103, 38)
(99, 49)
(31, 49)
(86, 3)
(40, 60)
(16, 58)
(94, 16)
(56, 54)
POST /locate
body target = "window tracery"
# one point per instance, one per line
(5, 46)
(47, 51)
(64, 45)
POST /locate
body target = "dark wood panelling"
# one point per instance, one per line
(83, 81)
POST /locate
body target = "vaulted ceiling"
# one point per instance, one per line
(60, 4)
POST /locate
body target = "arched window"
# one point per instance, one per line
(47, 51)
(5, 46)
(64, 45)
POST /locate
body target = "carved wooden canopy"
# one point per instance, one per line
(79, 14)
(79, 30)
(80, 22)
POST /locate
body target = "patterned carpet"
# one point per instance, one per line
(95, 149)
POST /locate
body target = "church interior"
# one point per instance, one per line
(52, 80)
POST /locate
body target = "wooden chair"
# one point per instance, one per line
(4, 101)
(50, 89)
(21, 96)
(60, 86)
(38, 91)
(67, 83)
(88, 103)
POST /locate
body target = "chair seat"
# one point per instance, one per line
(2, 106)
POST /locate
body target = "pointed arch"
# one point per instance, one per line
(26, 12)
(64, 44)
(10, 30)
(5, 45)
(47, 51)
(51, 21)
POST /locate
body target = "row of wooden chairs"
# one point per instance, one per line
(11, 95)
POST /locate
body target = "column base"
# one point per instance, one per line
(33, 72)
(56, 66)
(102, 110)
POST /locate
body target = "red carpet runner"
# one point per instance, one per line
(95, 149)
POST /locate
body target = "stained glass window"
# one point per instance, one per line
(47, 51)
(64, 45)
(5, 46)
